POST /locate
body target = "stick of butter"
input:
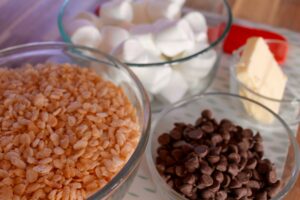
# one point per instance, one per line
(260, 73)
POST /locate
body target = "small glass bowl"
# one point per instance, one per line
(219, 19)
(110, 69)
(290, 103)
(279, 144)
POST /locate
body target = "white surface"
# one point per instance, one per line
(117, 10)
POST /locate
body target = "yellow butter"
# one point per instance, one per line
(259, 71)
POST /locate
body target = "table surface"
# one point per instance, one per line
(31, 20)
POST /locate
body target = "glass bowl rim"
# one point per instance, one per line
(171, 191)
(236, 56)
(136, 156)
(229, 15)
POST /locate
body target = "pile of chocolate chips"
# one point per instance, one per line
(216, 161)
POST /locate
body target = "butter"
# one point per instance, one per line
(260, 73)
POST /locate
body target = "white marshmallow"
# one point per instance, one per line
(173, 37)
(161, 9)
(178, 2)
(197, 68)
(112, 37)
(87, 36)
(197, 22)
(175, 90)
(143, 33)
(117, 10)
(74, 25)
(130, 51)
(153, 78)
(140, 15)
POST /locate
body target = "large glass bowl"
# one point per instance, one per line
(289, 105)
(109, 69)
(218, 16)
(279, 143)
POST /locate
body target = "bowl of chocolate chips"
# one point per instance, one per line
(208, 147)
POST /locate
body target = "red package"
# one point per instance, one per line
(238, 36)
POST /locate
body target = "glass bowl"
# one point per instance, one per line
(290, 103)
(279, 143)
(219, 18)
(109, 69)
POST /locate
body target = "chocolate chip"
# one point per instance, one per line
(274, 189)
(234, 157)
(164, 139)
(226, 124)
(233, 169)
(194, 195)
(244, 145)
(207, 114)
(179, 171)
(222, 166)
(261, 196)
(258, 137)
(226, 181)
(208, 127)
(207, 194)
(240, 192)
(186, 189)
(216, 139)
(215, 186)
(201, 150)
(233, 148)
(170, 170)
(263, 167)
(253, 184)
(205, 168)
(215, 150)
(221, 195)
(176, 134)
(242, 163)
(183, 145)
(177, 182)
(258, 147)
(218, 176)
(272, 176)
(248, 133)
(249, 192)
(190, 179)
(213, 159)
(160, 168)
(192, 163)
(256, 175)
(205, 181)
(170, 161)
(177, 154)
(195, 134)
(235, 184)
(163, 153)
(243, 177)
(226, 136)
(251, 164)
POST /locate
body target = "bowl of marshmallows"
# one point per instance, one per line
(173, 46)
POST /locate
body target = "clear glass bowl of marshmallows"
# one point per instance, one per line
(173, 46)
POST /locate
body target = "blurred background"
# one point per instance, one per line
(35, 20)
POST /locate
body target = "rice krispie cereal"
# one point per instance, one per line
(64, 132)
